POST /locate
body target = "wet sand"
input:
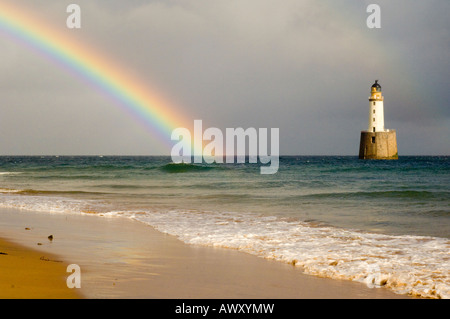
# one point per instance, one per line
(122, 258)
(26, 274)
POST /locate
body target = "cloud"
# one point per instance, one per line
(303, 66)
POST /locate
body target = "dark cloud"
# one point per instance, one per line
(303, 66)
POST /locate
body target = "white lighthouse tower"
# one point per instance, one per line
(377, 142)
(376, 110)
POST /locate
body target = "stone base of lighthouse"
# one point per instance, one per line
(378, 145)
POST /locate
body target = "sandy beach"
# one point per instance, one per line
(122, 258)
(26, 273)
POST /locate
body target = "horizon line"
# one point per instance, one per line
(168, 155)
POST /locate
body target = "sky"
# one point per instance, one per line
(303, 66)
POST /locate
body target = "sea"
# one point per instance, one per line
(382, 223)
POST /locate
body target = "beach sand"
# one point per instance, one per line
(25, 273)
(122, 258)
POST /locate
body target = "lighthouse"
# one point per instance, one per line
(377, 142)
(376, 109)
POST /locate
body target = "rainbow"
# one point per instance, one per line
(95, 68)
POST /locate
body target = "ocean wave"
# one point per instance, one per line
(184, 168)
(44, 192)
(9, 190)
(395, 194)
(10, 173)
(413, 265)
(49, 203)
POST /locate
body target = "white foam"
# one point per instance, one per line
(47, 204)
(7, 190)
(415, 265)
(10, 173)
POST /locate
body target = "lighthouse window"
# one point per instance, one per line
(373, 103)
(373, 139)
(373, 119)
(373, 111)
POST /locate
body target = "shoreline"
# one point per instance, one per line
(123, 258)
